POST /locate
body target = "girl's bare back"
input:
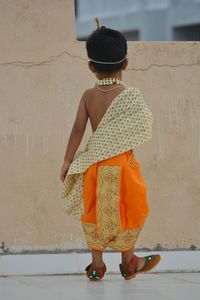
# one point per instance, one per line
(97, 103)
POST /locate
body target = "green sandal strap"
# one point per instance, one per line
(97, 273)
(94, 274)
(148, 259)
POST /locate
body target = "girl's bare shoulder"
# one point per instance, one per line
(89, 93)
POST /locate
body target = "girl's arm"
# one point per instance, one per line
(78, 130)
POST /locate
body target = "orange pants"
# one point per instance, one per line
(115, 203)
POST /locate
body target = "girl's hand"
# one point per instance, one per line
(64, 170)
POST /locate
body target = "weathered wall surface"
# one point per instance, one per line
(43, 73)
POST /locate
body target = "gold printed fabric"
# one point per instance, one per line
(122, 241)
(107, 232)
(108, 198)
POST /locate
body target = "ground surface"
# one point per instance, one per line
(176, 286)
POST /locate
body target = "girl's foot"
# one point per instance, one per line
(138, 265)
(95, 272)
(147, 263)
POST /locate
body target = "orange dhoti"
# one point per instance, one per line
(115, 203)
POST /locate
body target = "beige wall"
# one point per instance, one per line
(43, 73)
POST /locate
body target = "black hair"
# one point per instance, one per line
(107, 45)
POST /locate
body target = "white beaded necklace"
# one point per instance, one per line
(107, 81)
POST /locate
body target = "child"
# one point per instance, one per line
(104, 186)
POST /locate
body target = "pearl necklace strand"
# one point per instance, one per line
(107, 81)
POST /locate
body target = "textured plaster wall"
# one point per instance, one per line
(43, 73)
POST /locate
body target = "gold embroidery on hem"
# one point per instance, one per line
(108, 201)
(122, 241)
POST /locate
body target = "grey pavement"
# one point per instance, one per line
(151, 286)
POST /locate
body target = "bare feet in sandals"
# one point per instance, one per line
(138, 265)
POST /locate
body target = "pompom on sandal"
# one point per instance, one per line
(130, 270)
(95, 274)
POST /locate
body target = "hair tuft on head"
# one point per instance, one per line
(97, 21)
(106, 45)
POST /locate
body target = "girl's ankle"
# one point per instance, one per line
(126, 260)
(98, 264)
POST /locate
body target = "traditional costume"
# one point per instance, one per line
(104, 187)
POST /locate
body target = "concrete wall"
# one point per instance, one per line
(43, 73)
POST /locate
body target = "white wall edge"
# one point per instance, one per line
(75, 263)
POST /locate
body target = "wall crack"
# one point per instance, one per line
(50, 59)
(163, 65)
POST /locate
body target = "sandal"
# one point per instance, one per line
(95, 273)
(131, 271)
